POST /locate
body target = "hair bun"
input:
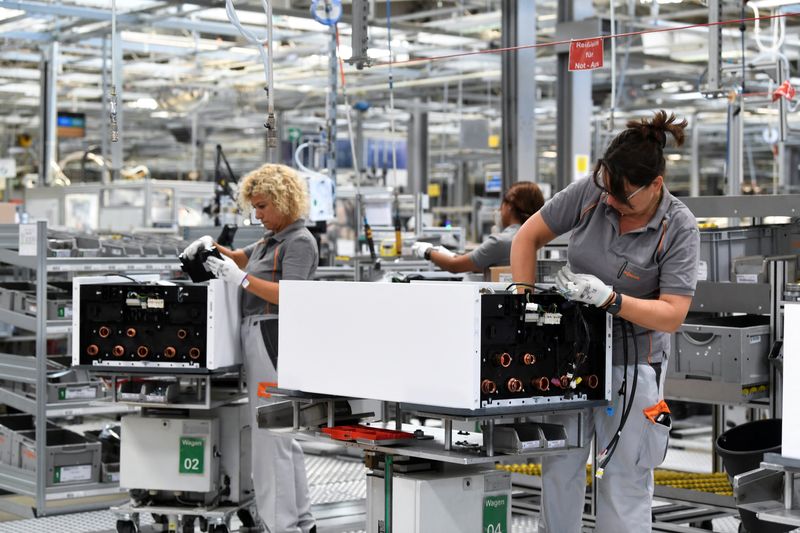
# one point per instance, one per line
(657, 128)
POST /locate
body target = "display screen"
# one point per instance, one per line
(71, 124)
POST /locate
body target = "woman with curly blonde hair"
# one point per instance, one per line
(287, 251)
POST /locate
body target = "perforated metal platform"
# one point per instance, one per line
(69, 523)
(331, 480)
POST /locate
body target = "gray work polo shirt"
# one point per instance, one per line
(659, 258)
(289, 254)
(496, 249)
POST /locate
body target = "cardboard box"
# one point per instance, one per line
(8, 213)
(500, 274)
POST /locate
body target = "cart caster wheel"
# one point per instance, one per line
(125, 526)
(246, 518)
(705, 524)
(219, 528)
(203, 524)
(742, 528)
(187, 525)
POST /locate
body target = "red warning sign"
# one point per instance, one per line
(785, 90)
(586, 54)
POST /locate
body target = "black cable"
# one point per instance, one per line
(608, 451)
(125, 276)
(612, 446)
(520, 284)
(587, 338)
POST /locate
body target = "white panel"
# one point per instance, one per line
(223, 325)
(150, 453)
(790, 446)
(414, 343)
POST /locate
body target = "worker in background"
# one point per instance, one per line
(633, 251)
(522, 200)
(287, 251)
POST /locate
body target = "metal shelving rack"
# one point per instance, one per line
(33, 370)
(756, 298)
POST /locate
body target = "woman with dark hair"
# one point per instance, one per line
(520, 202)
(633, 251)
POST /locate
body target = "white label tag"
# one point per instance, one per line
(75, 473)
(556, 443)
(27, 239)
(8, 168)
(196, 427)
(746, 278)
(82, 393)
(527, 445)
(755, 339)
(702, 271)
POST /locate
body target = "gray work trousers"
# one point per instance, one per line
(625, 493)
(279, 472)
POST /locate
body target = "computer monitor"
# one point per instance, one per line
(493, 181)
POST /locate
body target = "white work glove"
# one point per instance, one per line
(203, 242)
(423, 250)
(420, 248)
(582, 287)
(226, 269)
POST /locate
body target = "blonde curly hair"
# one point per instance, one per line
(281, 185)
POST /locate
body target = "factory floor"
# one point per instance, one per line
(338, 491)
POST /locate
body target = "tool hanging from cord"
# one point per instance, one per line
(391, 88)
(264, 47)
(112, 94)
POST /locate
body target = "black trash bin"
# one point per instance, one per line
(742, 449)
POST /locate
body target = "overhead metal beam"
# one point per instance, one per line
(48, 114)
(574, 98)
(520, 153)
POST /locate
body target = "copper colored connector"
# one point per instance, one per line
(529, 359)
(169, 352)
(543, 384)
(130, 332)
(182, 333)
(565, 382)
(503, 359)
(118, 351)
(92, 350)
(104, 332)
(488, 386)
(592, 381)
(142, 351)
(514, 385)
(194, 353)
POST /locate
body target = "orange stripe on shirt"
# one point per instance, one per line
(587, 209)
(661, 240)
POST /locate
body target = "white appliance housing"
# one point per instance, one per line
(417, 343)
(790, 434)
(223, 346)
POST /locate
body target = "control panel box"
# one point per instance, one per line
(169, 325)
(207, 453)
(454, 501)
(170, 453)
(449, 345)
